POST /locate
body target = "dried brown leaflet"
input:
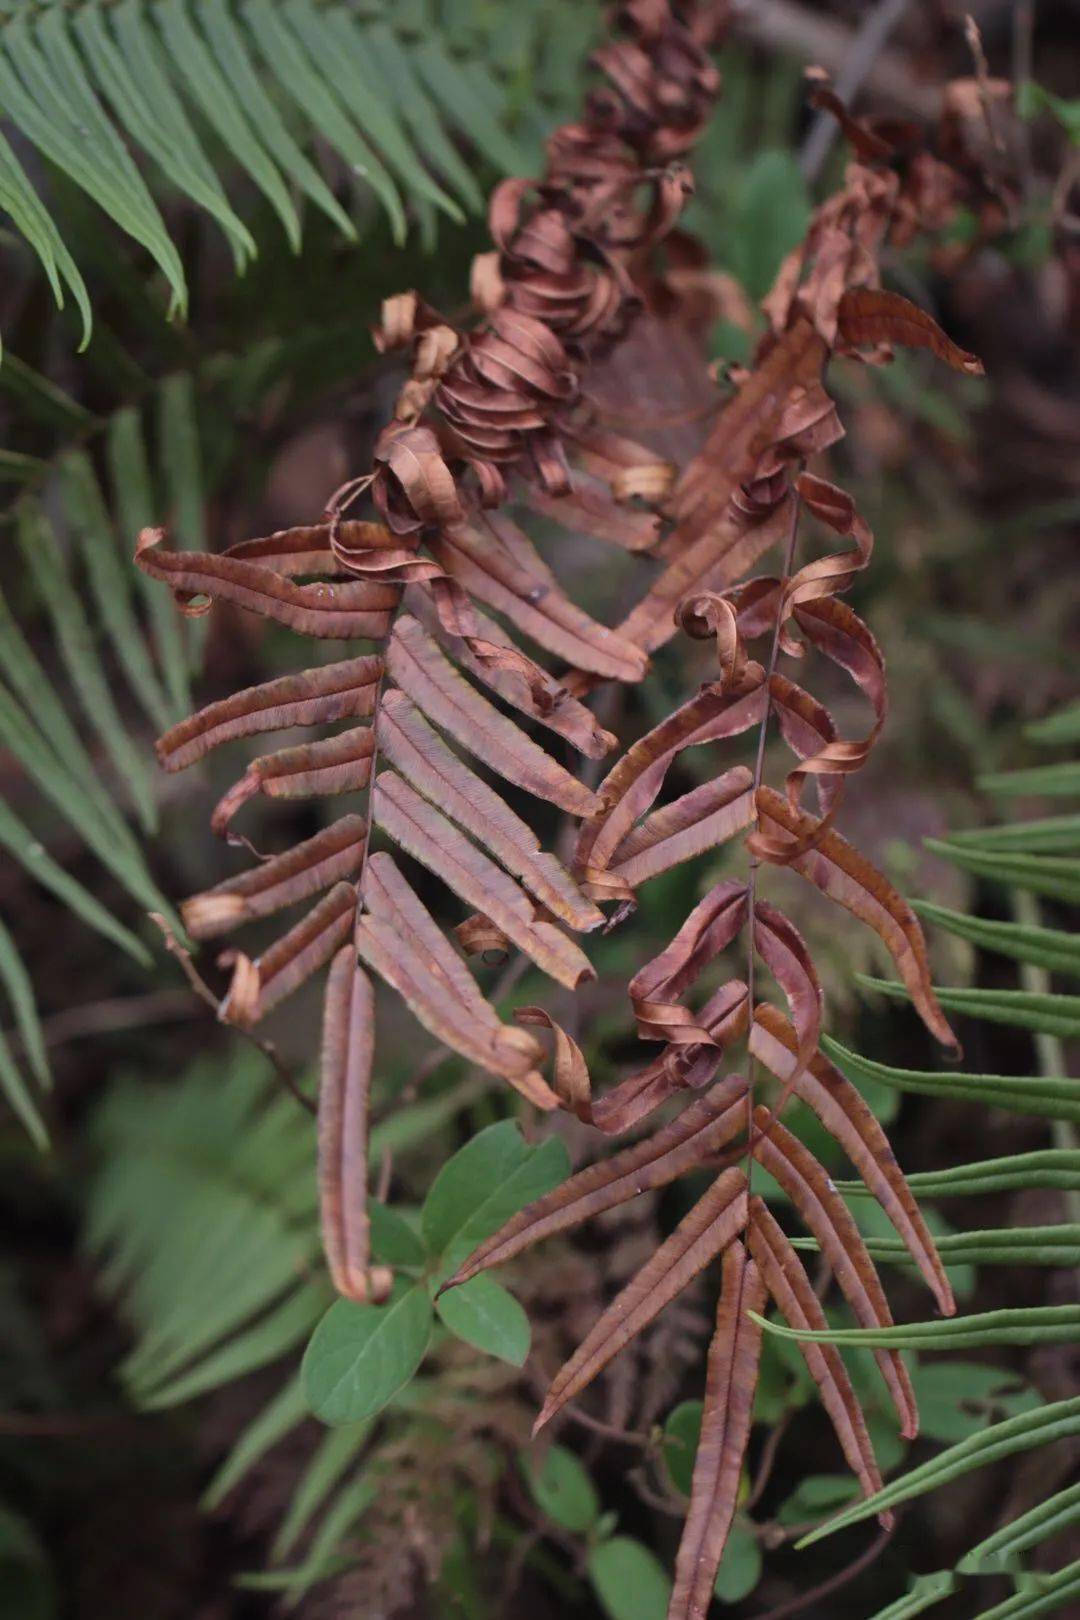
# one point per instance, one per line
(747, 491)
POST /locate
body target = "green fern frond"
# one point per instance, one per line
(136, 100)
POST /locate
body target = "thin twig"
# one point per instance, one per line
(768, 1460)
(796, 1605)
(206, 995)
(869, 41)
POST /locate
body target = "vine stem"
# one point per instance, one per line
(759, 767)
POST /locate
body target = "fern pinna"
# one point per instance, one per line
(496, 412)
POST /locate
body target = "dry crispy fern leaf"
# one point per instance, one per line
(746, 492)
(498, 414)
(483, 414)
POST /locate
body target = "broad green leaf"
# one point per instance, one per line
(1055, 876)
(630, 1581)
(958, 1398)
(486, 1182)
(210, 89)
(486, 1315)
(1039, 781)
(361, 1355)
(393, 1240)
(1041, 1324)
(561, 1487)
(815, 1496)
(923, 1593)
(285, 1412)
(769, 211)
(682, 1431)
(1023, 1009)
(740, 1567)
(1052, 1422)
(1049, 948)
(1052, 1098)
(1002, 1549)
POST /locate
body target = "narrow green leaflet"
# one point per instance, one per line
(1062, 727)
(244, 83)
(133, 499)
(1054, 780)
(181, 461)
(285, 1412)
(1003, 1246)
(488, 1180)
(111, 583)
(454, 91)
(17, 1092)
(144, 101)
(210, 90)
(1052, 835)
(20, 993)
(1001, 1550)
(332, 1457)
(1050, 948)
(392, 66)
(361, 1355)
(1046, 1167)
(1058, 1420)
(924, 1592)
(1023, 1009)
(271, 1337)
(77, 648)
(21, 201)
(629, 1580)
(561, 1487)
(283, 51)
(1056, 876)
(1042, 1324)
(323, 1558)
(44, 90)
(30, 853)
(487, 1316)
(1055, 1098)
(1048, 1594)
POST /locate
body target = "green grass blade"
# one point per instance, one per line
(285, 1412)
(1049, 948)
(279, 1331)
(194, 65)
(924, 1592)
(457, 94)
(336, 1451)
(1051, 835)
(999, 1246)
(1039, 1324)
(1049, 1594)
(1062, 727)
(392, 65)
